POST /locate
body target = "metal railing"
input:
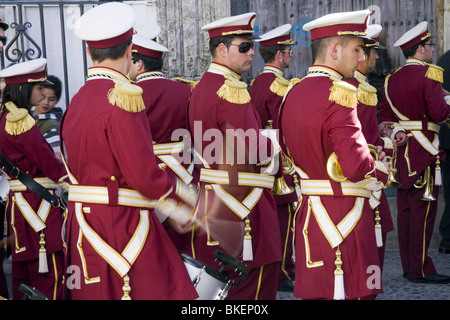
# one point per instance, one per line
(22, 47)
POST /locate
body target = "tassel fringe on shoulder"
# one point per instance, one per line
(18, 120)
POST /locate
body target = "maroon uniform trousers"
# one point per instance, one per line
(314, 125)
(166, 103)
(110, 150)
(30, 152)
(412, 97)
(267, 102)
(211, 114)
(367, 115)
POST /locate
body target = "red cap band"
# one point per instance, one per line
(147, 52)
(26, 78)
(112, 42)
(338, 30)
(416, 40)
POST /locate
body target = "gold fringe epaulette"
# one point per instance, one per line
(18, 120)
(344, 94)
(435, 73)
(126, 96)
(189, 82)
(279, 86)
(234, 91)
(367, 94)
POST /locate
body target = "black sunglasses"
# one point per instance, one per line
(3, 39)
(244, 47)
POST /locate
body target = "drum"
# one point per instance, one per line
(209, 283)
(4, 187)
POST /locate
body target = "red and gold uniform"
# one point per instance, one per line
(233, 194)
(30, 217)
(414, 99)
(113, 234)
(367, 115)
(166, 103)
(334, 229)
(267, 93)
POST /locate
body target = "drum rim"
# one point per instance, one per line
(212, 272)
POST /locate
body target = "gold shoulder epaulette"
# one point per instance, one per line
(234, 91)
(189, 82)
(344, 94)
(126, 96)
(279, 86)
(18, 120)
(251, 82)
(367, 94)
(435, 73)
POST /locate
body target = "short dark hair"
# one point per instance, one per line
(413, 50)
(56, 86)
(268, 53)
(19, 94)
(318, 45)
(113, 53)
(226, 40)
(150, 64)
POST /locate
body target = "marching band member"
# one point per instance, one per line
(166, 103)
(236, 202)
(37, 248)
(267, 91)
(335, 245)
(113, 234)
(367, 115)
(414, 99)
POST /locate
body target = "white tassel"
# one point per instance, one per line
(247, 251)
(339, 292)
(378, 230)
(43, 265)
(437, 174)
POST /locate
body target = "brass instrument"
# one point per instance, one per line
(391, 183)
(280, 186)
(426, 182)
(334, 169)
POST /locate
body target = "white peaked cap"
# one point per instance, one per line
(236, 25)
(280, 35)
(353, 23)
(413, 36)
(106, 25)
(148, 47)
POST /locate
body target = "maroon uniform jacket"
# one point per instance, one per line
(110, 149)
(209, 113)
(411, 95)
(267, 101)
(314, 125)
(166, 104)
(30, 153)
(367, 115)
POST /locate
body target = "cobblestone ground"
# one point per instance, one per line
(398, 288)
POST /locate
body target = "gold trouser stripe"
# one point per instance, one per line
(424, 238)
(55, 270)
(261, 270)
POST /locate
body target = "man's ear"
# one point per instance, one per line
(88, 51)
(335, 50)
(221, 49)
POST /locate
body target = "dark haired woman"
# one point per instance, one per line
(35, 225)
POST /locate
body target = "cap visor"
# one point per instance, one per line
(47, 82)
